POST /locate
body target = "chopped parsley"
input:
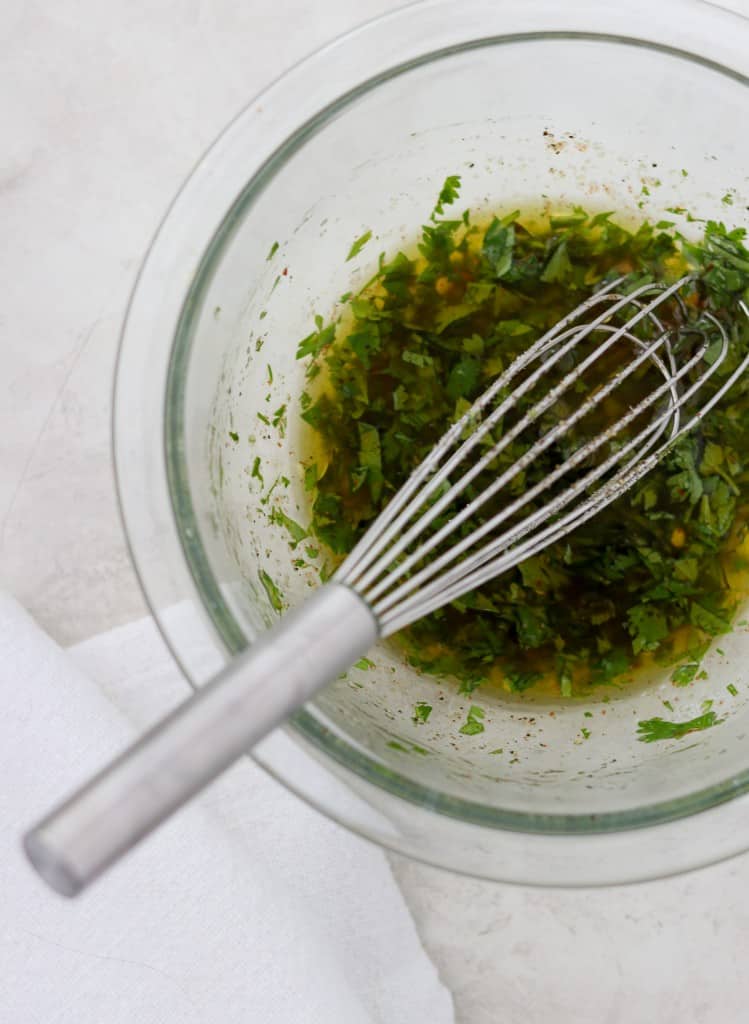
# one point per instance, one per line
(657, 729)
(279, 420)
(647, 579)
(358, 245)
(448, 194)
(270, 588)
(684, 675)
(422, 711)
(269, 493)
(314, 343)
(296, 531)
(473, 723)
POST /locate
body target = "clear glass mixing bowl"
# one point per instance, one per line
(608, 106)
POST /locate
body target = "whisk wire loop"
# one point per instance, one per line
(391, 568)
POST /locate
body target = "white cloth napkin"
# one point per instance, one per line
(247, 907)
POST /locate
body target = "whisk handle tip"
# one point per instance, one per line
(182, 754)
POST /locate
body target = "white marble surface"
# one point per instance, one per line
(103, 109)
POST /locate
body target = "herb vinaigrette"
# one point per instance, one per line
(654, 577)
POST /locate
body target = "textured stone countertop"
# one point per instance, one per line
(104, 109)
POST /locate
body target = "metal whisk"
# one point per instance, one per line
(409, 564)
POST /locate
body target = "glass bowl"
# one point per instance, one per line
(636, 107)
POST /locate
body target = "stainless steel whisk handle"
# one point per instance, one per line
(182, 754)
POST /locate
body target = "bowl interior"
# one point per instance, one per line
(538, 121)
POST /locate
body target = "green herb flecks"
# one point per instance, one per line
(448, 194)
(295, 530)
(358, 245)
(685, 674)
(421, 712)
(473, 723)
(279, 420)
(314, 343)
(270, 588)
(657, 729)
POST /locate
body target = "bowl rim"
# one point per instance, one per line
(310, 728)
